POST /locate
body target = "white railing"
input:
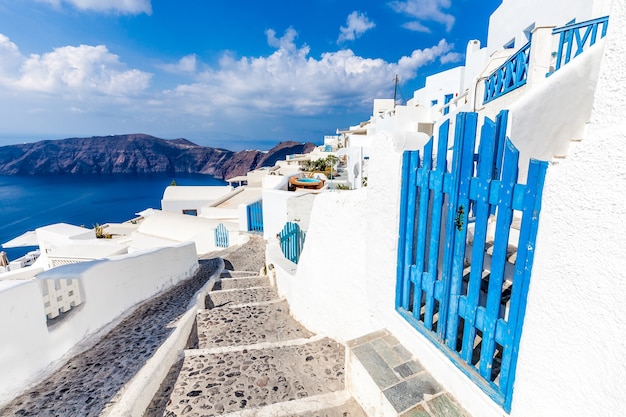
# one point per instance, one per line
(60, 261)
(60, 295)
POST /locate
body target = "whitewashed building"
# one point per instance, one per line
(570, 350)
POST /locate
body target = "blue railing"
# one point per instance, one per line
(578, 35)
(292, 241)
(574, 38)
(511, 75)
(221, 236)
(255, 217)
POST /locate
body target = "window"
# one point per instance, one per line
(447, 98)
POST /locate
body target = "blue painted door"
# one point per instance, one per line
(255, 217)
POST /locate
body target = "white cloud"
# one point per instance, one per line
(186, 65)
(119, 6)
(451, 57)
(10, 58)
(70, 71)
(287, 92)
(289, 81)
(424, 11)
(356, 25)
(420, 57)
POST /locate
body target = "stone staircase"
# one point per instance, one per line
(251, 358)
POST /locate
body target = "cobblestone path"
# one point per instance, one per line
(253, 359)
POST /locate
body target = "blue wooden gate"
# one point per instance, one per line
(292, 241)
(221, 236)
(463, 273)
(255, 216)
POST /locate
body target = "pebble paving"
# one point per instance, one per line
(219, 383)
(248, 325)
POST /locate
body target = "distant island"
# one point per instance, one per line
(136, 154)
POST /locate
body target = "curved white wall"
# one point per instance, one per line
(110, 288)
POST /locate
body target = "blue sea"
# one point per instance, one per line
(30, 202)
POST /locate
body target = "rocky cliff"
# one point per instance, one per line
(136, 154)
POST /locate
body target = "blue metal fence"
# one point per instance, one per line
(509, 76)
(574, 38)
(255, 216)
(221, 236)
(292, 241)
(571, 35)
(462, 290)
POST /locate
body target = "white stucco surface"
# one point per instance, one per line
(109, 288)
(328, 293)
(545, 131)
(572, 358)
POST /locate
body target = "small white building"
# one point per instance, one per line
(190, 199)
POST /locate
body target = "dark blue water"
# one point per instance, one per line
(30, 202)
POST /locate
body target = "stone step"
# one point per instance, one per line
(222, 381)
(239, 296)
(336, 404)
(387, 381)
(248, 324)
(243, 282)
(238, 274)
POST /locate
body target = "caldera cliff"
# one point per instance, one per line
(136, 154)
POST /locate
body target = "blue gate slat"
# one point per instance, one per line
(482, 210)
(436, 185)
(521, 280)
(422, 182)
(406, 158)
(498, 259)
(451, 187)
(410, 228)
(459, 216)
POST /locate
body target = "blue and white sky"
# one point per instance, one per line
(236, 74)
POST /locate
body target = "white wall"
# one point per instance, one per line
(573, 352)
(545, 131)
(170, 227)
(274, 211)
(110, 288)
(328, 293)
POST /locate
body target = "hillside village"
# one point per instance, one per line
(457, 255)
